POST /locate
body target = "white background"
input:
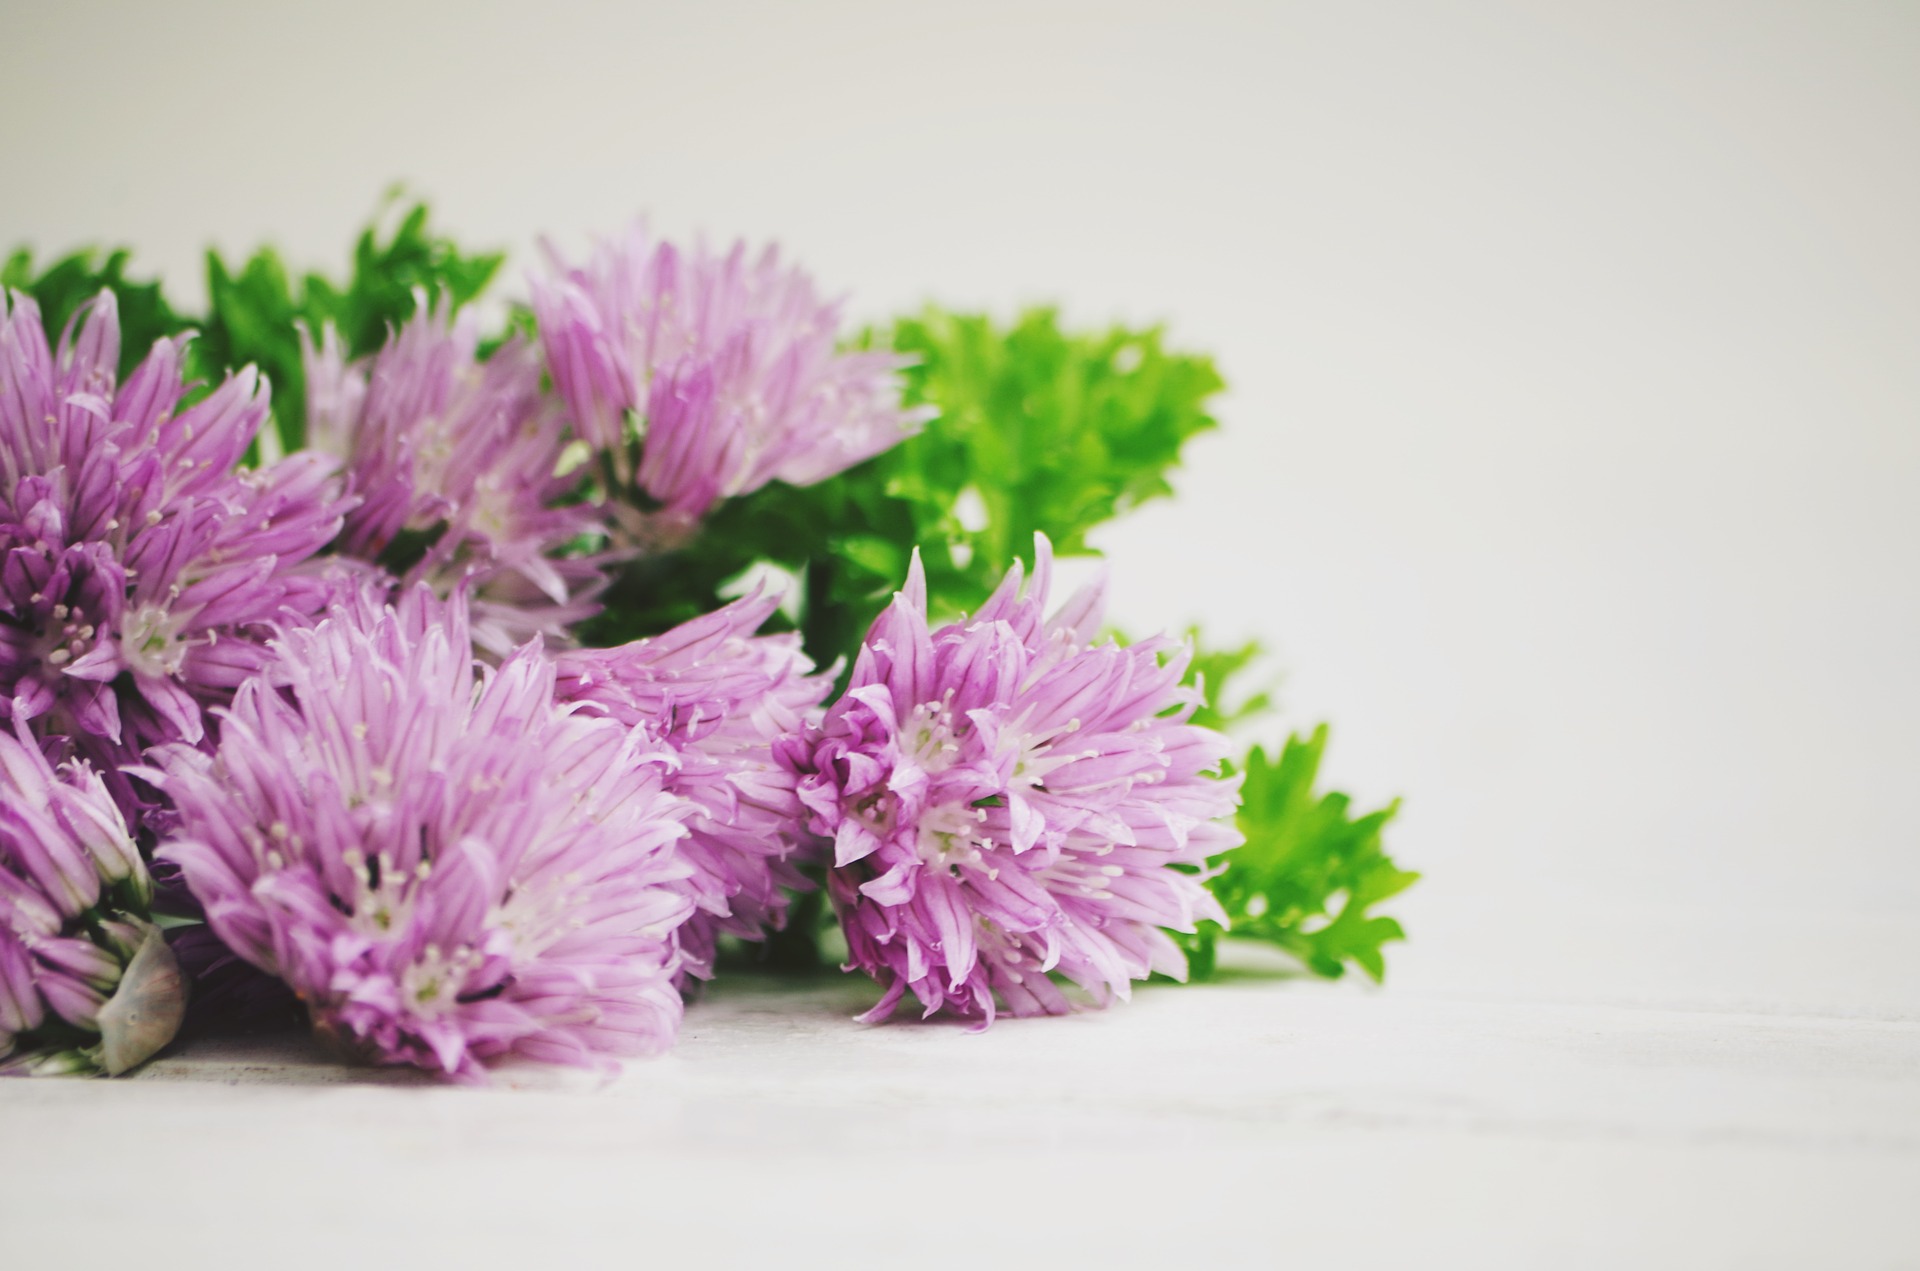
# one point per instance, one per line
(1570, 456)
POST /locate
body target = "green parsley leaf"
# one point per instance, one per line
(1039, 429)
(1309, 873)
(255, 310)
(1218, 673)
(66, 284)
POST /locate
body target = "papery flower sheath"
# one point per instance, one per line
(1008, 801)
(720, 697)
(727, 364)
(444, 864)
(87, 983)
(458, 463)
(138, 568)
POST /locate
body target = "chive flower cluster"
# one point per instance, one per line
(1008, 801)
(367, 722)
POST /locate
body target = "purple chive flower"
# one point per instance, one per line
(1008, 801)
(726, 363)
(87, 983)
(466, 458)
(719, 697)
(441, 862)
(138, 568)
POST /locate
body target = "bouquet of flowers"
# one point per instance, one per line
(470, 679)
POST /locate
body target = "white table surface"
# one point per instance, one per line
(1263, 1120)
